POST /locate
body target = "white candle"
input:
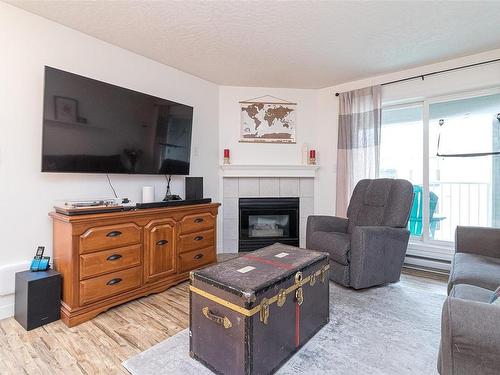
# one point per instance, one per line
(148, 194)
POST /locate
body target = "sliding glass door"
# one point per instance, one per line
(448, 148)
(463, 137)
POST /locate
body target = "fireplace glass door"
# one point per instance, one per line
(263, 225)
(264, 221)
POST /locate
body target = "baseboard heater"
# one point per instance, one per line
(420, 264)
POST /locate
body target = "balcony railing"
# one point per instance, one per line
(459, 203)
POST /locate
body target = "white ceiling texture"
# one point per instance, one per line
(296, 44)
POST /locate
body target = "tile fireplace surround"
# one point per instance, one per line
(248, 187)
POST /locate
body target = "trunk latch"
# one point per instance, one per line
(281, 297)
(264, 310)
(299, 294)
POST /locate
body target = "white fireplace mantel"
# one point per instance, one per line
(266, 170)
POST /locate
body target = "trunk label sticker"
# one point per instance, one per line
(246, 269)
(281, 255)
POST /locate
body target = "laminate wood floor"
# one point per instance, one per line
(100, 345)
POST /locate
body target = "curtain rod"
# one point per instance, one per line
(422, 76)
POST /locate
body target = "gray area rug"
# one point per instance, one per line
(386, 330)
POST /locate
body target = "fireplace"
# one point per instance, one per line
(264, 221)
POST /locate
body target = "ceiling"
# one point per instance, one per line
(292, 44)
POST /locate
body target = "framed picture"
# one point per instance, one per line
(65, 109)
(267, 122)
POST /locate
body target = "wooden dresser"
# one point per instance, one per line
(110, 258)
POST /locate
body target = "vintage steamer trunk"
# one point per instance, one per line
(250, 314)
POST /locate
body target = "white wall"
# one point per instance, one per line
(311, 126)
(265, 153)
(26, 195)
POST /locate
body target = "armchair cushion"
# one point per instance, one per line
(475, 270)
(380, 202)
(336, 244)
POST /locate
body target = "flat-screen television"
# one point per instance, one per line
(95, 127)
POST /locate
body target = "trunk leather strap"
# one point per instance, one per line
(257, 309)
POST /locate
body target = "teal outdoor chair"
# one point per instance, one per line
(415, 224)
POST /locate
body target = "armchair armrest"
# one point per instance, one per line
(327, 223)
(377, 255)
(319, 223)
(470, 338)
(478, 240)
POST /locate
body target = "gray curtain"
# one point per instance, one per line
(358, 149)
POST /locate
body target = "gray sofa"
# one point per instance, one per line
(470, 325)
(368, 247)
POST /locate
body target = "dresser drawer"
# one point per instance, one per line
(110, 236)
(109, 260)
(198, 240)
(194, 223)
(195, 259)
(105, 286)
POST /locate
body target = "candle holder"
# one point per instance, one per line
(312, 157)
(226, 156)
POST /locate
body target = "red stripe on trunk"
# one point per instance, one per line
(297, 325)
(267, 261)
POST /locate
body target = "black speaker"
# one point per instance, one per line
(194, 188)
(38, 298)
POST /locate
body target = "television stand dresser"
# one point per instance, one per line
(110, 258)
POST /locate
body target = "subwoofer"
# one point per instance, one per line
(38, 298)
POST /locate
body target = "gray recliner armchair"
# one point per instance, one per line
(368, 248)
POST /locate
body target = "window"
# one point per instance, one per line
(401, 153)
(462, 186)
(458, 180)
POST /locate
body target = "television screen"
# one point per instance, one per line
(95, 127)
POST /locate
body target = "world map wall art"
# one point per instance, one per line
(268, 121)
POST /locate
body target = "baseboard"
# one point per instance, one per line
(7, 287)
(8, 276)
(6, 306)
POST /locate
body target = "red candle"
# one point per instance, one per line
(226, 152)
(312, 154)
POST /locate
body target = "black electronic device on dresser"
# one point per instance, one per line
(194, 187)
(38, 298)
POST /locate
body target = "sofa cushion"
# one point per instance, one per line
(475, 270)
(336, 244)
(471, 293)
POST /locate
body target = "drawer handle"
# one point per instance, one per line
(114, 233)
(114, 281)
(198, 220)
(162, 242)
(198, 256)
(114, 257)
(222, 320)
(198, 238)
